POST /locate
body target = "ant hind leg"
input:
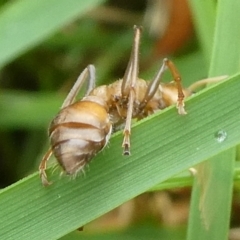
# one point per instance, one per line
(88, 71)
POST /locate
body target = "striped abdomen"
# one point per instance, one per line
(79, 132)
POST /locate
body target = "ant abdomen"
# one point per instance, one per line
(78, 133)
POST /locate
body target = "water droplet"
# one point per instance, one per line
(221, 136)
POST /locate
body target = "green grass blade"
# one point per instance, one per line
(212, 195)
(211, 198)
(204, 19)
(226, 48)
(25, 23)
(162, 146)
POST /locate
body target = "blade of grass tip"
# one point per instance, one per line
(23, 24)
(212, 189)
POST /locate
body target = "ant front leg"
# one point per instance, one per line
(177, 80)
(89, 71)
(154, 85)
(205, 81)
(128, 89)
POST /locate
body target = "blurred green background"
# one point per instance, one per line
(42, 51)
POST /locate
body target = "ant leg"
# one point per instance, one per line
(177, 80)
(43, 166)
(206, 81)
(132, 68)
(153, 86)
(92, 79)
(127, 128)
(128, 88)
(90, 70)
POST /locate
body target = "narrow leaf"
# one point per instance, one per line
(23, 24)
(162, 146)
(212, 194)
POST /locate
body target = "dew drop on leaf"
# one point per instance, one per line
(221, 136)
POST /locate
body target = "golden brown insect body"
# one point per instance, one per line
(78, 132)
(165, 95)
(82, 128)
